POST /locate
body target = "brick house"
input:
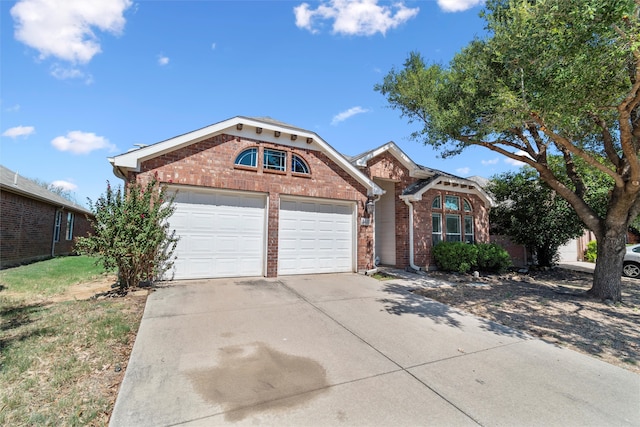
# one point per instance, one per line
(36, 224)
(257, 197)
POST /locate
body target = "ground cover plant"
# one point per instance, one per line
(62, 359)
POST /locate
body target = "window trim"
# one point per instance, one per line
(282, 155)
(71, 219)
(56, 226)
(472, 234)
(449, 235)
(437, 205)
(446, 203)
(466, 205)
(302, 162)
(243, 154)
(435, 215)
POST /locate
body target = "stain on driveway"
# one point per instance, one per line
(247, 375)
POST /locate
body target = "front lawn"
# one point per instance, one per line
(61, 363)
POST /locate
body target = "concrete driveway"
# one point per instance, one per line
(345, 349)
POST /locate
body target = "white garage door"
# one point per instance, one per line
(315, 237)
(221, 234)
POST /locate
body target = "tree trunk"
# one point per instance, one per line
(607, 277)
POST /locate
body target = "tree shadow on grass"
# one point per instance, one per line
(568, 319)
(15, 321)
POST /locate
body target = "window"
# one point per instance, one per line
(436, 231)
(298, 165)
(468, 229)
(70, 220)
(275, 160)
(436, 203)
(56, 228)
(453, 228)
(248, 158)
(467, 205)
(452, 203)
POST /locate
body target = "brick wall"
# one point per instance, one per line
(386, 166)
(26, 230)
(210, 163)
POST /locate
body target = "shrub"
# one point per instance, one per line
(463, 257)
(492, 257)
(455, 256)
(132, 233)
(591, 253)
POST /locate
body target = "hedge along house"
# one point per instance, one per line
(257, 197)
(35, 223)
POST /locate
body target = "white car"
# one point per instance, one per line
(631, 263)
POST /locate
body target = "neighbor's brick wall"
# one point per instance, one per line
(210, 163)
(26, 230)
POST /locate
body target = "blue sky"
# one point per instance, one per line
(82, 80)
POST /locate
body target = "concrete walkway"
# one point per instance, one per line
(348, 350)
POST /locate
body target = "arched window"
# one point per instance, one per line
(248, 157)
(436, 203)
(467, 205)
(298, 165)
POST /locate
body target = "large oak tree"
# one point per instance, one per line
(551, 77)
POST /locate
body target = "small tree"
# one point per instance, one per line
(532, 214)
(132, 233)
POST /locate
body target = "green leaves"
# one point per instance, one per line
(132, 233)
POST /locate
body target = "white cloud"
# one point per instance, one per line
(490, 162)
(163, 60)
(65, 185)
(17, 131)
(213, 46)
(354, 17)
(458, 5)
(13, 109)
(514, 162)
(65, 29)
(341, 117)
(79, 142)
(63, 73)
(463, 171)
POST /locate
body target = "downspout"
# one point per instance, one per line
(411, 263)
(374, 270)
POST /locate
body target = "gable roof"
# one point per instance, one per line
(427, 177)
(12, 182)
(267, 128)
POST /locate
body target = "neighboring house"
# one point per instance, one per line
(257, 197)
(36, 223)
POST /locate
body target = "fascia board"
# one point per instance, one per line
(133, 159)
(391, 146)
(488, 201)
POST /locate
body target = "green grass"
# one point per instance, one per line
(50, 277)
(58, 360)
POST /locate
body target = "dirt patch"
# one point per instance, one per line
(546, 304)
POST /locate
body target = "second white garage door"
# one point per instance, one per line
(315, 236)
(221, 234)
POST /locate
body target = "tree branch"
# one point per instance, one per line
(561, 141)
(609, 147)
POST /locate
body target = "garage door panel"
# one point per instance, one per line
(221, 234)
(315, 237)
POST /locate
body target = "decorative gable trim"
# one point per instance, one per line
(445, 182)
(244, 127)
(415, 171)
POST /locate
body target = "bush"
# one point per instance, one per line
(464, 257)
(455, 256)
(492, 257)
(132, 233)
(591, 254)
